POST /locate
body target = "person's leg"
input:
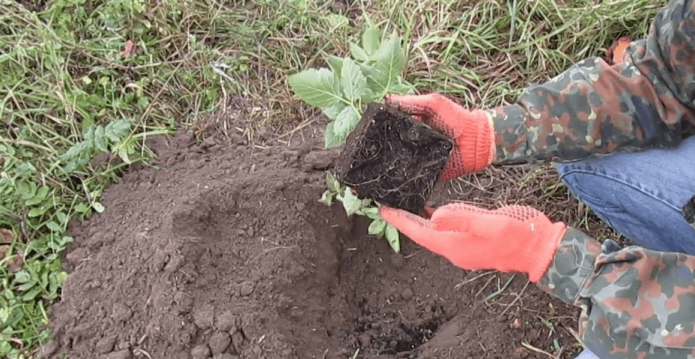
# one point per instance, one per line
(640, 194)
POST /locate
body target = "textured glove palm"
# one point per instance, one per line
(471, 130)
(512, 238)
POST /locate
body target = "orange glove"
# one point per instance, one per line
(512, 238)
(472, 131)
(617, 51)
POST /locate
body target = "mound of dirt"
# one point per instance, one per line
(225, 252)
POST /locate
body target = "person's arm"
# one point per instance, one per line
(636, 303)
(646, 101)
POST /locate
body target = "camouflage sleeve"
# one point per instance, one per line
(648, 100)
(636, 303)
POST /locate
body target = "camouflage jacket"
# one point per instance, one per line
(636, 303)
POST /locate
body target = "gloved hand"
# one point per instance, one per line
(513, 238)
(616, 53)
(471, 130)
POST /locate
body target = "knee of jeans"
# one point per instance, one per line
(590, 190)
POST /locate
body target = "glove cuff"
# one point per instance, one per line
(475, 139)
(547, 241)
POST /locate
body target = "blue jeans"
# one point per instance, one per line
(640, 195)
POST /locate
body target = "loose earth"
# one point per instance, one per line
(222, 250)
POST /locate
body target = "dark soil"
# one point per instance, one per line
(393, 159)
(225, 252)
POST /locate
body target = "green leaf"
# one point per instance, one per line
(358, 53)
(29, 296)
(43, 192)
(371, 212)
(331, 138)
(100, 140)
(22, 276)
(376, 228)
(346, 122)
(332, 183)
(318, 88)
(37, 211)
(117, 130)
(98, 207)
(393, 238)
(402, 89)
(350, 202)
(371, 39)
(55, 227)
(333, 111)
(82, 208)
(352, 79)
(328, 197)
(369, 96)
(335, 63)
(34, 201)
(389, 63)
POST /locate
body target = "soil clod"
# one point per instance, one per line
(393, 158)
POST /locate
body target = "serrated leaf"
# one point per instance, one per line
(117, 130)
(332, 183)
(346, 122)
(332, 112)
(376, 228)
(388, 65)
(371, 39)
(358, 53)
(101, 141)
(318, 88)
(331, 138)
(335, 63)
(98, 207)
(350, 202)
(353, 80)
(393, 238)
(369, 96)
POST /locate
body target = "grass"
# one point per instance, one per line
(67, 73)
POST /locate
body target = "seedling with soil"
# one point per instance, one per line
(393, 158)
(381, 161)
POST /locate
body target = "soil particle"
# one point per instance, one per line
(238, 341)
(246, 289)
(123, 354)
(407, 294)
(219, 342)
(50, 348)
(203, 316)
(398, 260)
(226, 322)
(200, 352)
(105, 345)
(320, 159)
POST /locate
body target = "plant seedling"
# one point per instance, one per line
(341, 91)
(392, 158)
